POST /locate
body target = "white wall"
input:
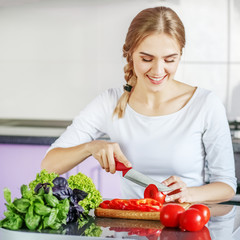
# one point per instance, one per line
(56, 55)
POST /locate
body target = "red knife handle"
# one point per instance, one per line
(121, 167)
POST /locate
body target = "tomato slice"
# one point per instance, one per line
(160, 197)
(145, 204)
(151, 191)
(113, 204)
(122, 204)
(104, 204)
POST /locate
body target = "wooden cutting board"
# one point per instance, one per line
(131, 214)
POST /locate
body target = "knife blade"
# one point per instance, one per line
(139, 178)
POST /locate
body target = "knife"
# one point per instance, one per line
(139, 178)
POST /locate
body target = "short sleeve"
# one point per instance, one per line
(218, 143)
(91, 122)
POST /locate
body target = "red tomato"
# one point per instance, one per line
(160, 197)
(104, 204)
(170, 213)
(191, 220)
(204, 210)
(151, 191)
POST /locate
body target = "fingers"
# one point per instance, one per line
(173, 181)
(120, 156)
(178, 196)
(179, 193)
(105, 152)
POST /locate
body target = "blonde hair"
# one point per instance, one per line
(148, 21)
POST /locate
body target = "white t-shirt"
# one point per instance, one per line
(182, 143)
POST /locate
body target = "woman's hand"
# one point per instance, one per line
(105, 152)
(180, 191)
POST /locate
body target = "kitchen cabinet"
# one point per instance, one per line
(21, 162)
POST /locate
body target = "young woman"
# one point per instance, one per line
(166, 129)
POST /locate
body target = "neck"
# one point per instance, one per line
(151, 98)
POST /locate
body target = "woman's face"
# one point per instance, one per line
(155, 61)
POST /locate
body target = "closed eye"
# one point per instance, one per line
(146, 60)
(170, 61)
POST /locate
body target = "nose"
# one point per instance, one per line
(158, 68)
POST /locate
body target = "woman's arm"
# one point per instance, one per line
(210, 193)
(61, 160)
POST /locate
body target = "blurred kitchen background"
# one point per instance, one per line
(57, 55)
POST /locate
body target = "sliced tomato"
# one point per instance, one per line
(104, 204)
(160, 197)
(145, 204)
(123, 204)
(151, 191)
(113, 204)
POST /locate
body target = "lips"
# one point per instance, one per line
(156, 80)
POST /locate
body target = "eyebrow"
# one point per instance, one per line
(167, 56)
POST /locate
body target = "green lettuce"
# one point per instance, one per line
(84, 183)
(42, 177)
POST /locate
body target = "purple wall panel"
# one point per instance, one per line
(19, 165)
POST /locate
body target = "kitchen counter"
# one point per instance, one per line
(33, 132)
(224, 224)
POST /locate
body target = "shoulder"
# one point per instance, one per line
(111, 95)
(107, 99)
(209, 98)
(209, 104)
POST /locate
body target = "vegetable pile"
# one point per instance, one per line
(35, 211)
(50, 202)
(192, 219)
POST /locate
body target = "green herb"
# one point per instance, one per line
(26, 193)
(7, 195)
(32, 220)
(21, 205)
(12, 221)
(81, 181)
(35, 210)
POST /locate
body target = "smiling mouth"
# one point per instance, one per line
(155, 80)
